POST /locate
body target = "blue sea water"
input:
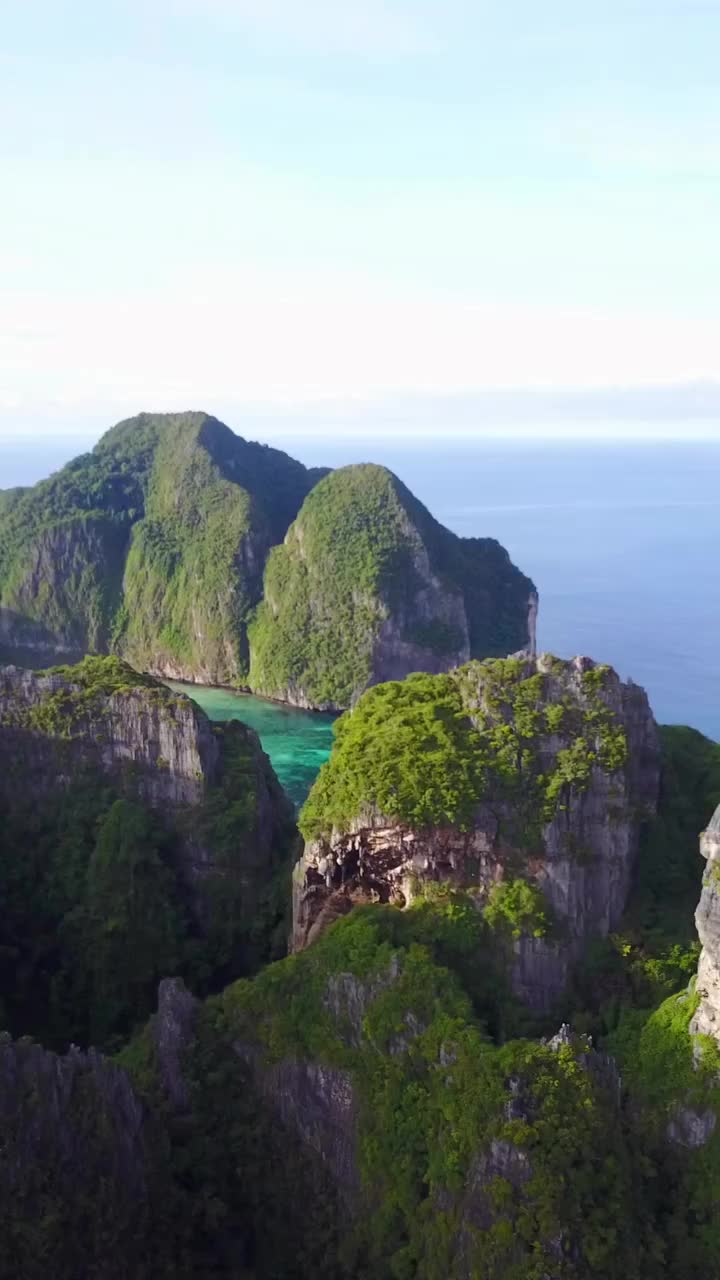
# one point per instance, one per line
(622, 540)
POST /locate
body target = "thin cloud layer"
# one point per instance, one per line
(323, 26)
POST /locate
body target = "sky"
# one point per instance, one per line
(392, 217)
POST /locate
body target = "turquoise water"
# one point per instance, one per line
(297, 742)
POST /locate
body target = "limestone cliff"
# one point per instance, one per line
(707, 920)
(153, 546)
(212, 786)
(532, 768)
(446, 1150)
(80, 1168)
(367, 587)
(130, 727)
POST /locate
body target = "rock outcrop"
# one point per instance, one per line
(707, 920)
(443, 1147)
(173, 1032)
(101, 718)
(80, 1167)
(368, 587)
(138, 730)
(152, 546)
(560, 763)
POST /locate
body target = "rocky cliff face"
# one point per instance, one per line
(575, 838)
(101, 718)
(79, 1166)
(139, 733)
(75, 568)
(153, 546)
(707, 920)
(445, 1149)
(368, 587)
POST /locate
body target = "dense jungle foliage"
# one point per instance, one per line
(484, 1149)
(96, 905)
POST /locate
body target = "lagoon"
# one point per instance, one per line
(297, 742)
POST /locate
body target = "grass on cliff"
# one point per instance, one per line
(90, 504)
(426, 751)
(68, 711)
(184, 597)
(673, 1078)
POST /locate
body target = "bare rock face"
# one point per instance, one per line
(173, 1032)
(707, 921)
(316, 1103)
(163, 740)
(43, 1133)
(581, 856)
(83, 556)
(691, 1128)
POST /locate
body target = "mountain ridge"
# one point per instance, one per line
(164, 541)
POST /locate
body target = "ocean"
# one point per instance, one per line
(622, 541)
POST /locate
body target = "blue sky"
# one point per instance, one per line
(359, 216)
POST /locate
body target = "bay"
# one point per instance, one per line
(297, 741)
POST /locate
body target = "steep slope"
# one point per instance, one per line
(83, 1176)
(357, 1075)
(523, 782)
(152, 545)
(363, 1109)
(670, 1060)
(368, 587)
(137, 840)
(707, 919)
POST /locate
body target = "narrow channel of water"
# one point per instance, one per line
(297, 741)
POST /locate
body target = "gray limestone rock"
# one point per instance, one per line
(690, 1128)
(155, 746)
(173, 1032)
(707, 921)
(583, 863)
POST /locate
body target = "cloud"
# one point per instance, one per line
(289, 335)
(326, 26)
(323, 349)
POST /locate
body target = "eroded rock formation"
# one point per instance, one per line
(707, 920)
(580, 851)
(79, 1162)
(368, 587)
(101, 719)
